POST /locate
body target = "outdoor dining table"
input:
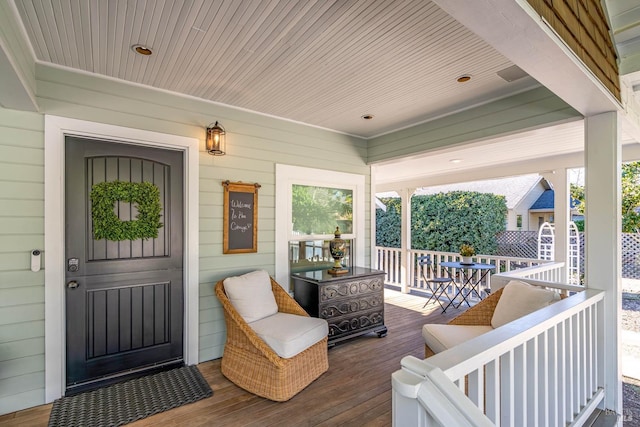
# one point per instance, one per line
(470, 279)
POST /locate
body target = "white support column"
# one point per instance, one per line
(561, 209)
(602, 234)
(405, 237)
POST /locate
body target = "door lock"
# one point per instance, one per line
(73, 264)
(72, 284)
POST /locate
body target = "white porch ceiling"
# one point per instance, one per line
(324, 63)
(320, 62)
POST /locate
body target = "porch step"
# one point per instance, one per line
(600, 418)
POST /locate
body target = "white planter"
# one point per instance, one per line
(466, 260)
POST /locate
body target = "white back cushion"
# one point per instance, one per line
(251, 295)
(519, 299)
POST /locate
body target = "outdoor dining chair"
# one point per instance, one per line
(437, 285)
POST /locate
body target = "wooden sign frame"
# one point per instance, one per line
(240, 229)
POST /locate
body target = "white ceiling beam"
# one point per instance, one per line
(13, 91)
(630, 152)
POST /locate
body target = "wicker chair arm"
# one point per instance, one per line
(481, 313)
(239, 330)
(286, 304)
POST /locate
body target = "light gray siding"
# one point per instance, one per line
(21, 230)
(255, 144)
(526, 110)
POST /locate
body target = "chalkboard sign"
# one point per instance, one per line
(240, 217)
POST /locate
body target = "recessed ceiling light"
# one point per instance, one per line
(367, 116)
(142, 50)
(455, 160)
(463, 78)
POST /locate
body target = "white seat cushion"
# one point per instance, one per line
(519, 299)
(251, 295)
(289, 334)
(442, 337)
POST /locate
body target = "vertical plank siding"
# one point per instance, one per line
(21, 230)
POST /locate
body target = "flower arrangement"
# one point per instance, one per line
(467, 250)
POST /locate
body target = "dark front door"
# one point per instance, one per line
(124, 298)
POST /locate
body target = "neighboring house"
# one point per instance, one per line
(542, 210)
(519, 191)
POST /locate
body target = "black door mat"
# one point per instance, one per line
(132, 400)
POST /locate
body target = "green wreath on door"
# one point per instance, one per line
(107, 225)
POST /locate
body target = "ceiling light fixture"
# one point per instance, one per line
(216, 140)
(463, 78)
(367, 116)
(142, 50)
(455, 160)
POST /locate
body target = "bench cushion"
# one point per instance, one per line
(519, 299)
(251, 295)
(442, 337)
(289, 334)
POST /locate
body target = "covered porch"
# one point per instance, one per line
(489, 158)
(356, 391)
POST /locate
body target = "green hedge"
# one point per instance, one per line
(444, 221)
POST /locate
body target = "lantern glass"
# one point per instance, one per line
(215, 143)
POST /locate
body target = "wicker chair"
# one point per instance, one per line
(479, 314)
(251, 364)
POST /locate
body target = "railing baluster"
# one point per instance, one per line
(580, 371)
(561, 373)
(520, 401)
(542, 381)
(532, 397)
(506, 389)
(590, 351)
(492, 392)
(552, 343)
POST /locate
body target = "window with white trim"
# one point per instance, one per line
(310, 204)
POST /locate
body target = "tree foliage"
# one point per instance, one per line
(445, 221)
(630, 197)
(317, 210)
(388, 223)
(577, 193)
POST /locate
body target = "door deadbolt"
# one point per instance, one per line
(73, 264)
(72, 284)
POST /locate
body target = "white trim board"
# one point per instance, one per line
(56, 128)
(286, 176)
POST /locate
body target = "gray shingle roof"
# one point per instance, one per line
(514, 188)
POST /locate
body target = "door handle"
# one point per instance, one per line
(72, 284)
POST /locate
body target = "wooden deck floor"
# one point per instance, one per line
(355, 391)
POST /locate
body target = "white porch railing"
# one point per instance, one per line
(544, 369)
(548, 275)
(390, 261)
